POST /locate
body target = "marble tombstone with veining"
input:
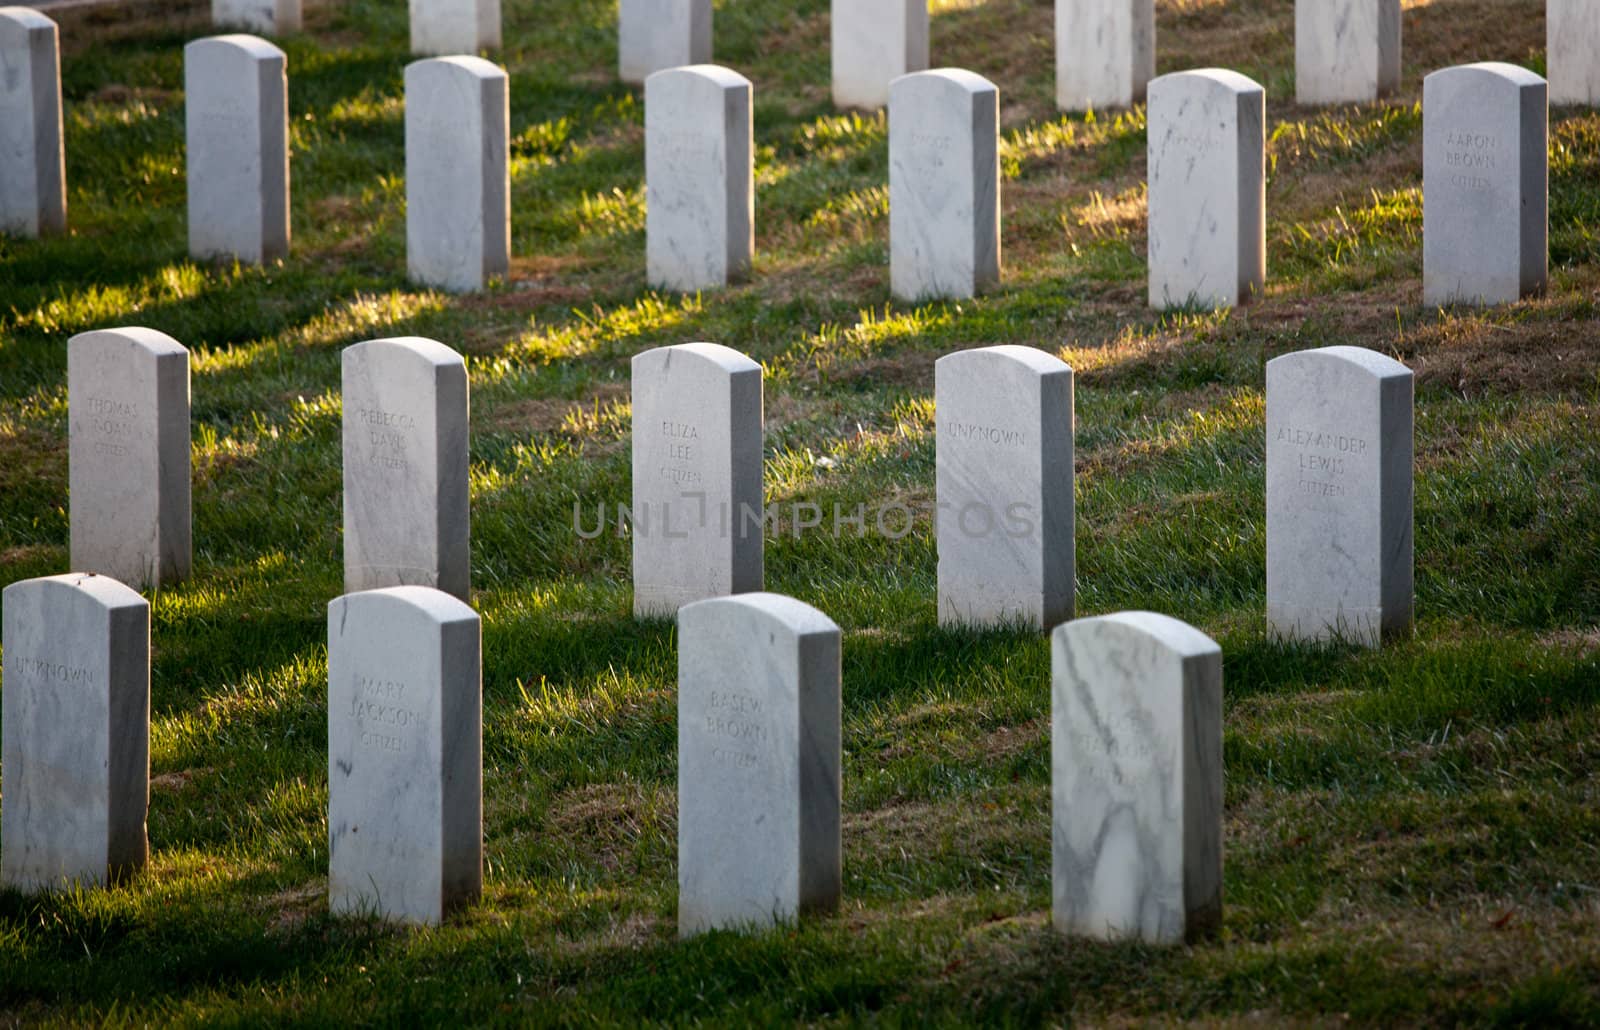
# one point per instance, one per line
(406, 498)
(458, 179)
(1136, 782)
(1573, 51)
(271, 17)
(76, 732)
(454, 27)
(1208, 201)
(405, 755)
(654, 35)
(759, 754)
(1003, 420)
(944, 185)
(1105, 52)
(699, 177)
(1485, 185)
(236, 114)
(697, 466)
(128, 455)
(874, 42)
(33, 166)
(1346, 50)
(1339, 496)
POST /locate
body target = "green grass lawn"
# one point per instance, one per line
(1411, 836)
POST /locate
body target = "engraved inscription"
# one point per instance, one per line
(1128, 758)
(377, 706)
(988, 434)
(112, 423)
(1470, 152)
(1322, 459)
(682, 443)
(386, 435)
(59, 672)
(734, 719)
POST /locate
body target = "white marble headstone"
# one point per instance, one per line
(1339, 495)
(1485, 185)
(697, 468)
(699, 177)
(236, 97)
(654, 35)
(944, 185)
(447, 27)
(33, 167)
(405, 755)
(1573, 52)
(406, 504)
(76, 748)
(1136, 795)
(1208, 194)
(1346, 50)
(1105, 52)
(875, 42)
(1004, 480)
(759, 755)
(458, 180)
(272, 17)
(128, 455)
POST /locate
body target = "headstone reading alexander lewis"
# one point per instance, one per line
(1573, 28)
(1105, 52)
(654, 35)
(33, 166)
(1346, 50)
(272, 17)
(454, 27)
(875, 42)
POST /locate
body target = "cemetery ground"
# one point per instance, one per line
(1412, 835)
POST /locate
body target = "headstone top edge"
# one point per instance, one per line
(964, 78)
(28, 18)
(725, 358)
(1175, 635)
(431, 351)
(255, 46)
(436, 604)
(795, 615)
(108, 592)
(1380, 366)
(153, 341)
(1227, 78)
(1033, 358)
(477, 67)
(1512, 73)
(720, 75)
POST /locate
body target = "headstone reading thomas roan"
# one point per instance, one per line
(1208, 199)
(128, 455)
(1004, 487)
(1346, 50)
(875, 42)
(1136, 785)
(76, 748)
(697, 499)
(699, 177)
(1105, 52)
(654, 35)
(1339, 495)
(458, 181)
(459, 27)
(406, 507)
(1573, 27)
(759, 754)
(1485, 185)
(236, 97)
(33, 176)
(944, 185)
(272, 17)
(405, 755)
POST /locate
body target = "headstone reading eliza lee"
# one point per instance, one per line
(273, 17)
(699, 177)
(1208, 194)
(443, 27)
(944, 185)
(405, 755)
(33, 176)
(1485, 185)
(697, 464)
(236, 101)
(128, 455)
(654, 35)
(1105, 52)
(406, 507)
(76, 748)
(458, 181)
(1004, 482)
(874, 43)
(1574, 40)
(1136, 795)
(758, 762)
(1339, 495)
(1346, 50)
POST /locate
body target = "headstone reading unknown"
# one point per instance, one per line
(33, 166)
(1105, 52)
(1136, 786)
(458, 181)
(128, 455)
(1485, 185)
(944, 185)
(406, 506)
(1574, 40)
(272, 17)
(405, 755)
(236, 97)
(759, 753)
(697, 466)
(76, 747)
(699, 177)
(1346, 51)
(458, 27)
(1339, 495)
(1004, 481)
(654, 35)
(1208, 196)
(874, 43)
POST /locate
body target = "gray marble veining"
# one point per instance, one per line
(1346, 50)
(1105, 52)
(33, 164)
